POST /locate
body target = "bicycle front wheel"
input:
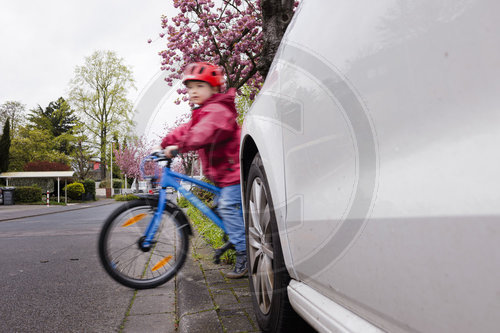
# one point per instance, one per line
(121, 251)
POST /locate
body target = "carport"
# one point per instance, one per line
(59, 175)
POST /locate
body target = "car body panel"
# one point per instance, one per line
(390, 151)
(265, 125)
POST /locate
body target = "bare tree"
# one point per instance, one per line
(99, 93)
(15, 111)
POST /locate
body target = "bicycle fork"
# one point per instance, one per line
(146, 241)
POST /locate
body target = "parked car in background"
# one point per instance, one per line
(370, 170)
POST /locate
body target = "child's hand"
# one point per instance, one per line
(169, 149)
(156, 149)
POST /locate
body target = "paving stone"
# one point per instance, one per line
(224, 298)
(245, 299)
(242, 292)
(202, 322)
(220, 286)
(153, 304)
(237, 306)
(217, 291)
(154, 323)
(253, 318)
(165, 289)
(238, 323)
(214, 276)
(193, 296)
(240, 283)
(231, 309)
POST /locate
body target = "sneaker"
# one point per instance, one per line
(221, 250)
(240, 268)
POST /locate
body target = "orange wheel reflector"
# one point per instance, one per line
(134, 219)
(161, 263)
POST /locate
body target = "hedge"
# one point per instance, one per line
(46, 166)
(27, 194)
(89, 186)
(117, 183)
(126, 197)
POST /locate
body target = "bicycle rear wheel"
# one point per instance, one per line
(127, 261)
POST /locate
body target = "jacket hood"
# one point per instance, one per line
(226, 98)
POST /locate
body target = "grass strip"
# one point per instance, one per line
(210, 232)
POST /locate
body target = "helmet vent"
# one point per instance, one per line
(202, 69)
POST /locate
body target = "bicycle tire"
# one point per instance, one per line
(125, 261)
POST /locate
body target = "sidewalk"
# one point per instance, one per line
(18, 211)
(209, 302)
(199, 300)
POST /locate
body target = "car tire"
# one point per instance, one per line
(268, 276)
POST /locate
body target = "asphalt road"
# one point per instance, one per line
(51, 277)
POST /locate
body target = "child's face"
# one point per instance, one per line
(199, 91)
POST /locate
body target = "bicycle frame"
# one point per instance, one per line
(171, 179)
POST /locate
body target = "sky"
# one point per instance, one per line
(43, 41)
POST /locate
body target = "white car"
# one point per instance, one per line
(371, 170)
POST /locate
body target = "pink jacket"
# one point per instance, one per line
(214, 132)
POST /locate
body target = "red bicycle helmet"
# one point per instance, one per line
(204, 71)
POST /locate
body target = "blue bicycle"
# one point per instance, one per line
(144, 242)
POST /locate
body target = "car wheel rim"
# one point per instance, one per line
(261, 252)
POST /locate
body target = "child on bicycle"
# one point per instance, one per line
(214, 132)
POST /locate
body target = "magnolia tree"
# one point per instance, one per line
(128, 157)
(241, 36)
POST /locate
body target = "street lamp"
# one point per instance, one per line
(111, 169)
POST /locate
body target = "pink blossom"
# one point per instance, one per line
(226, 33)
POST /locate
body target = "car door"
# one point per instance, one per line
(390, 135)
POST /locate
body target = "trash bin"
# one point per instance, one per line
(8, 195)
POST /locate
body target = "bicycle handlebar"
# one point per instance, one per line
(156, 156)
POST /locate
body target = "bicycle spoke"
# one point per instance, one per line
(128, 263)
(122, 249)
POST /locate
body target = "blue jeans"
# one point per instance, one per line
(229, 209)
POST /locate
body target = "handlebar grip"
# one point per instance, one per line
(158, 154)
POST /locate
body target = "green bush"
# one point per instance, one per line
(75, 190)
(126, 197)
(27, 194)
(117, 183)
(89, 185)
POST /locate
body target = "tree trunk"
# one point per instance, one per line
(276, 15)
(103, 144)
